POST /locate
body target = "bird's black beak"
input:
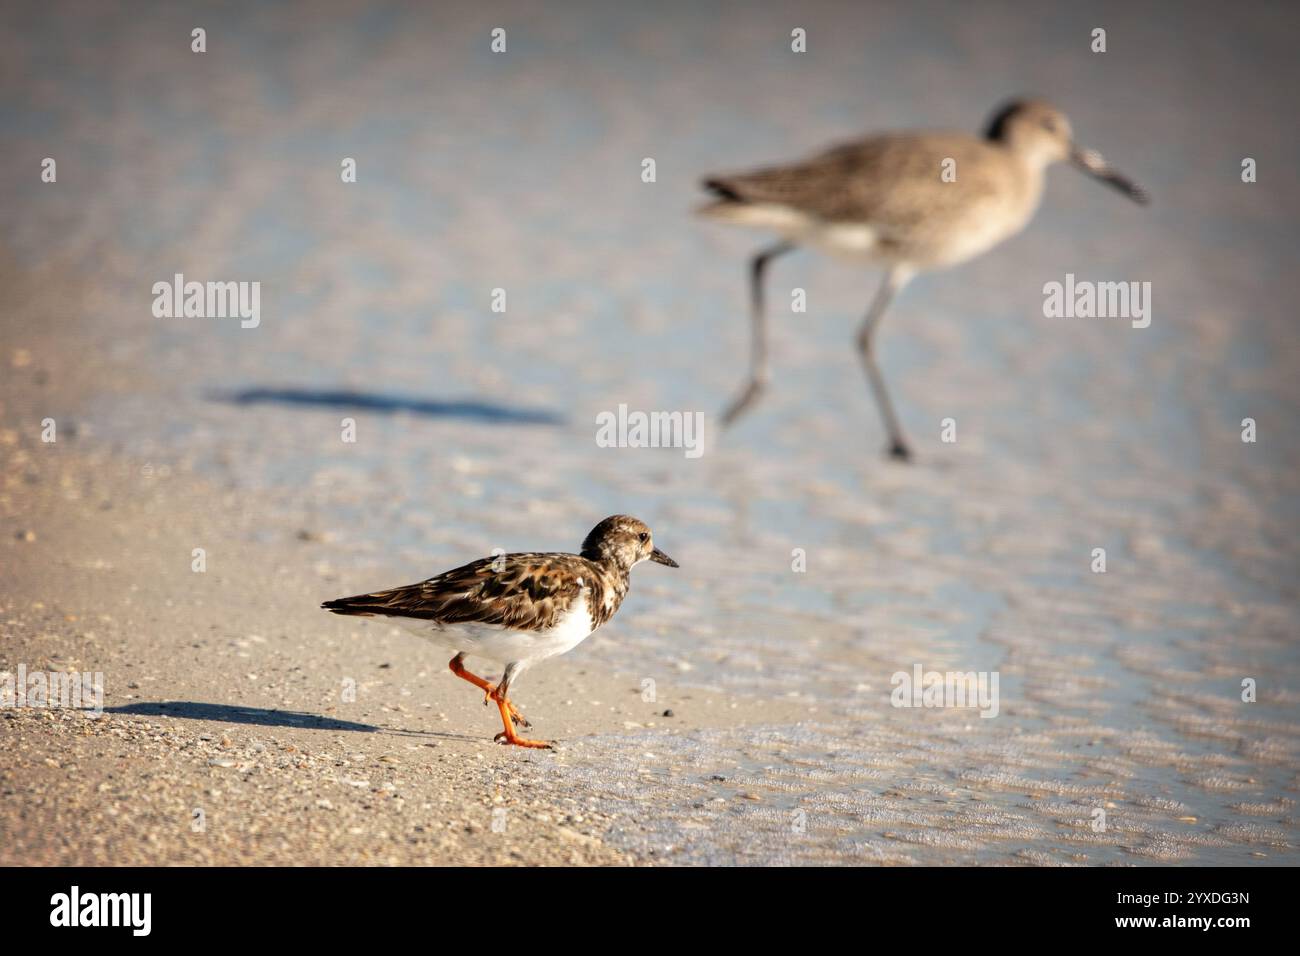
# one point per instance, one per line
(659, 557)
(1092, 163)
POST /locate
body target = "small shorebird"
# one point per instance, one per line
(517, 609)
(909, 201)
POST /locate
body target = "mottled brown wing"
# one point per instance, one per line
(514, 590)
(871, 180)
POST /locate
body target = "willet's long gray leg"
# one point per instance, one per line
(895, 279)
(758, 346)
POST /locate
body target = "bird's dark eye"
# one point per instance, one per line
(1049, 125)
(644, 537)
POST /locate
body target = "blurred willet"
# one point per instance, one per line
(908, 201)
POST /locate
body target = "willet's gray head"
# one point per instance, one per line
(908, 201)
(1041, 135)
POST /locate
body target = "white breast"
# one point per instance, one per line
(507, 645)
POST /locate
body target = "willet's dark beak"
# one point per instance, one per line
(1092, 163)
(660, 558)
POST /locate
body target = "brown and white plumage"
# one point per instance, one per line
(517, 609)
(530, 591)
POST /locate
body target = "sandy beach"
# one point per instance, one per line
(740, 709)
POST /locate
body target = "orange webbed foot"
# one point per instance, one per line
(509, 738)
(509, 717)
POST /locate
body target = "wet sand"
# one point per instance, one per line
(217, 700)
(1119, 692)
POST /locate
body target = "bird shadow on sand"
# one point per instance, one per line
(475, 410)
(261, 717)
(438, 734)
(231, 714)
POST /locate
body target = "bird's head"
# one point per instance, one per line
(1042, 135)
(623, 541)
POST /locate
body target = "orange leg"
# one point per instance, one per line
(508, 735)
(489, 690)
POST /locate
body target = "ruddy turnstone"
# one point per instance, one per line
(909, 201)
(518, 609)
